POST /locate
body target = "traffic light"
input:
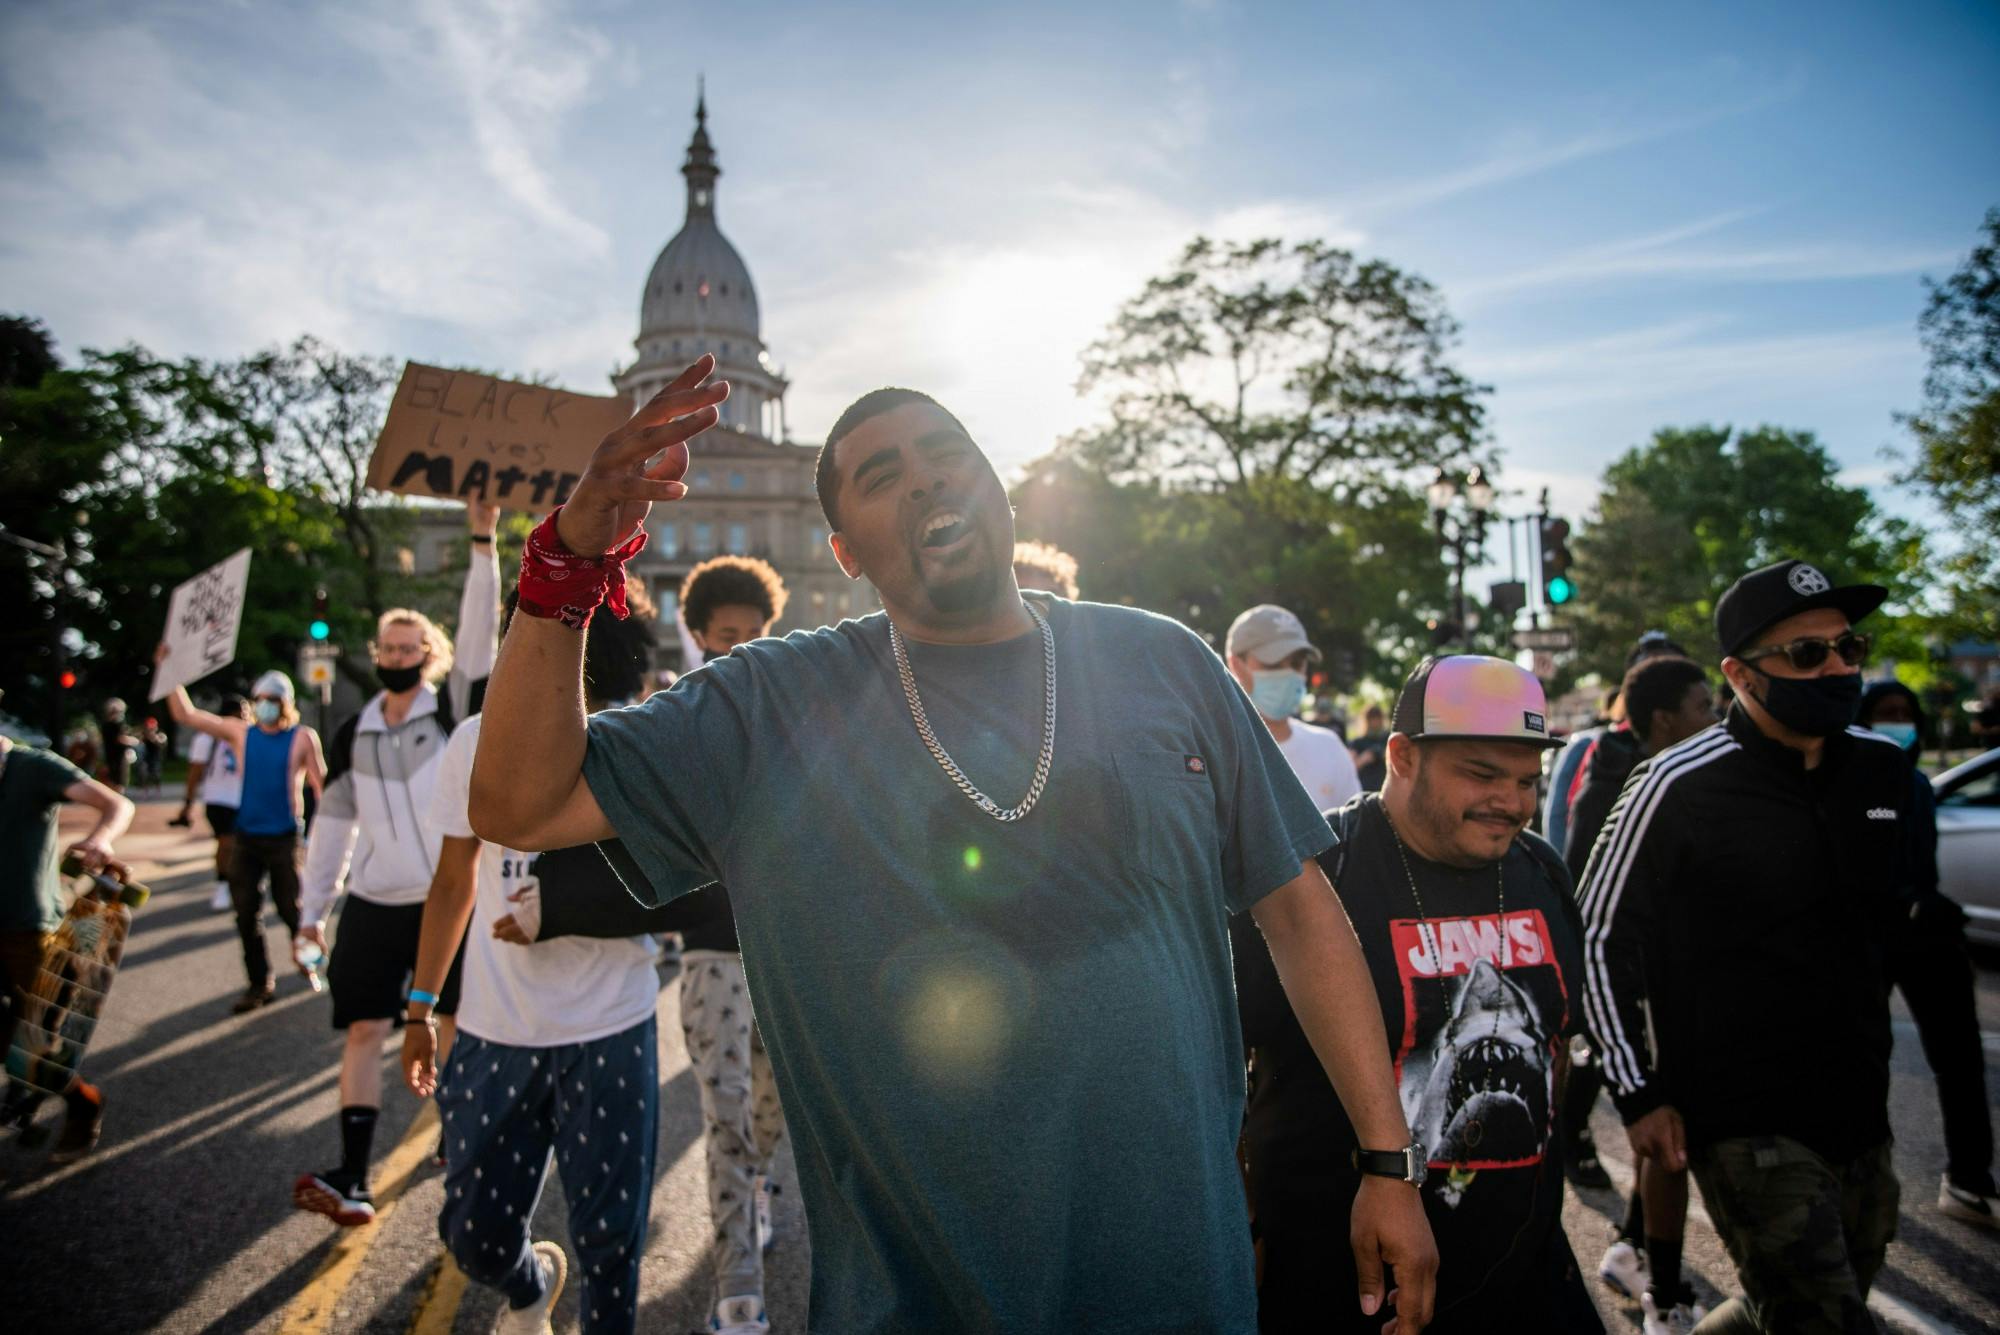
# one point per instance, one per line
(319, 629)
(67, 680)
(1556, 583)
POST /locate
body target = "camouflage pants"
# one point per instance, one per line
(1807, 1235)
(739, 1102)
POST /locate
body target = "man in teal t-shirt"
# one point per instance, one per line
(1003, 1028)
(34, 784)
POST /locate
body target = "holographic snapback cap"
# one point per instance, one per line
(1470, 697)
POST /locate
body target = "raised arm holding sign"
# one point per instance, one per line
(203, 616)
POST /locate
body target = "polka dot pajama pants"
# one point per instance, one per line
(739, 1106)
(591, 1107)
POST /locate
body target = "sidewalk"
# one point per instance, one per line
(156, 852)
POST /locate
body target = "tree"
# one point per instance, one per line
(1269, 408)
(1682, 516)
(145, 470)
(1958, 431)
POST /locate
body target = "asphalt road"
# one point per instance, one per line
(182, 1220)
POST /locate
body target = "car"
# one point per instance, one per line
(1968, 825)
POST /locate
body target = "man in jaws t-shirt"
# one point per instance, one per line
(1008, 1052)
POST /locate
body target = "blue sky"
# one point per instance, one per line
(1691, 213)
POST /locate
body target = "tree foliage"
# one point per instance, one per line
(1269, 409)
(146, 470)
(1958, 431)
(1682, 516)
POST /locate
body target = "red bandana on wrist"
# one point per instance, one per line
(558, 584)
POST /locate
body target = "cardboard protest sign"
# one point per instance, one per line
(203, 616)
(460, 435)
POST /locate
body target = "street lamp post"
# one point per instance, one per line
(1461, 533)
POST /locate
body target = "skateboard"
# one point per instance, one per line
(60, 1008)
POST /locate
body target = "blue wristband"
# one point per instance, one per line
(428, 998)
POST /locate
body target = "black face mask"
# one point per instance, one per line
(1812, 706)
(396, 680)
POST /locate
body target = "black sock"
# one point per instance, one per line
(1633, 1230)
(1663, 1269)
(357, 1135)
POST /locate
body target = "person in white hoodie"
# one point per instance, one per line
(371, 839)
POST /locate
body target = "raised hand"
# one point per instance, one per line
(481, 518)
(640, 463)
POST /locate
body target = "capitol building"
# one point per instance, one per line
(750, 486)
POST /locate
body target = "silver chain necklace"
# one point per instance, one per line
(943, 758)
(1425, 931)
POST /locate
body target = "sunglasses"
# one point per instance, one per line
(1809, 652)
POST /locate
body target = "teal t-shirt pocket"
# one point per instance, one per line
(1170, 815)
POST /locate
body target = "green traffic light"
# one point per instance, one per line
(1561, 590)
(319, 630)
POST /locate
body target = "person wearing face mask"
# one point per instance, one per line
(1932, 968)
(279, 761)
(1268, 654)
(370, 839)
(1736, 906)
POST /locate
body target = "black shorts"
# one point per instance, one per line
(374, 950)
(222, 820)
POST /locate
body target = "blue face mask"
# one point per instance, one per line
(1277, 693)
(269, 711)
(1902, 734)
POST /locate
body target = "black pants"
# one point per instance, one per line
(1934, 971)
(256, 856)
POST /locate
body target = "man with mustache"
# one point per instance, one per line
(1002, 1028)
(1737, 903)
(1471, 935)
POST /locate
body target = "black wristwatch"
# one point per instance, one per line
(480, 537)
(1405, 1165)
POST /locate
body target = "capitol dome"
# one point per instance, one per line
(699, 285)
(699, 298)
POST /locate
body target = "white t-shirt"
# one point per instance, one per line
(1323, 763)
(222, 782)
(570, 990)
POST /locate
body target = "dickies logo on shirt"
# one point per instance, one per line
(1196, 765)
(1881, 813)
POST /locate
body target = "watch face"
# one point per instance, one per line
(1419, 1170)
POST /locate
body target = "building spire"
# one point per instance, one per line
(700, 168)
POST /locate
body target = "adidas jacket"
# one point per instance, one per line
(370, 837)
(1738, 902)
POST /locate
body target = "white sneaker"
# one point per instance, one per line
(1969, 1206)
(220, 902)
(1623, 1270)
(760, 1192)
(741, 1315)
(1676, 1320)
(534, 1318)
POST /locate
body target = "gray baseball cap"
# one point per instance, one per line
(1269, 634)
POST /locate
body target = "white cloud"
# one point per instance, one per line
(164, 214)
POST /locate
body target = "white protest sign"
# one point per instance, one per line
(203, 617)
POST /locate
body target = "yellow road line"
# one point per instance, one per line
(439, 1308)
(312, 1311)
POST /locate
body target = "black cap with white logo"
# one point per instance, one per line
(1763, 598)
